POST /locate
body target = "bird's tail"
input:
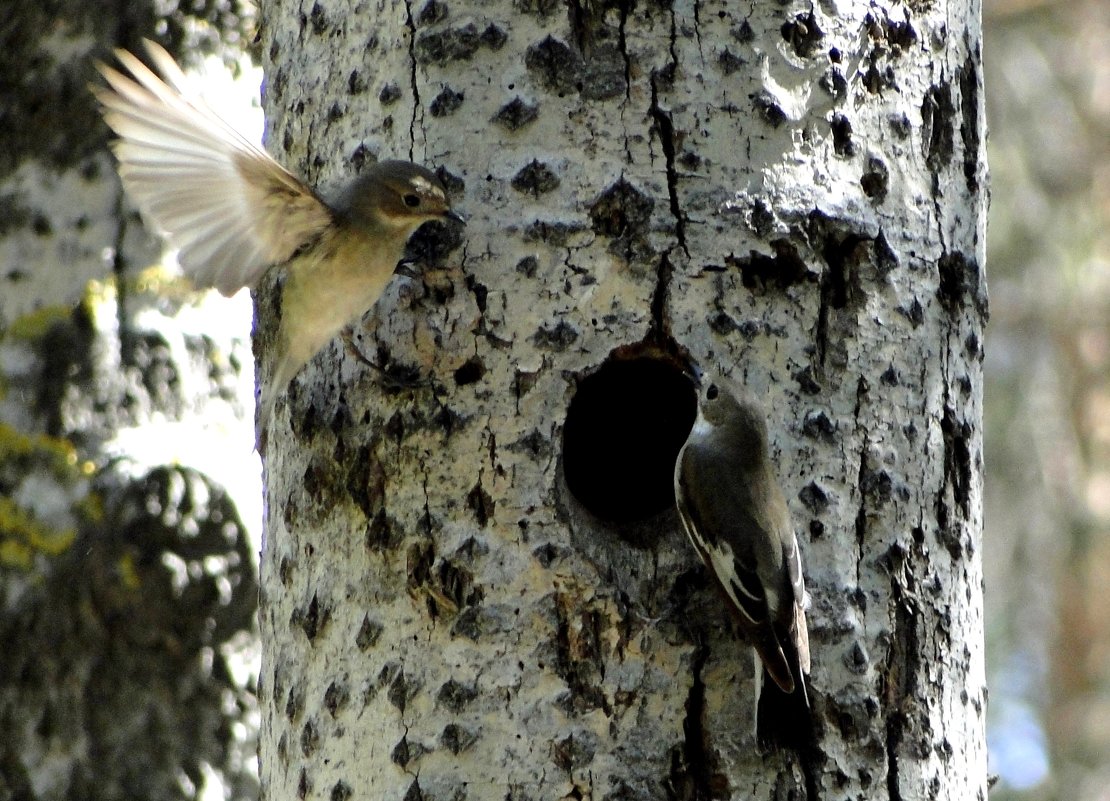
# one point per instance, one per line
(283, 371)
(784, 718)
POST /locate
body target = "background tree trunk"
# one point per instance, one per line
(453, 606)
(127, 587)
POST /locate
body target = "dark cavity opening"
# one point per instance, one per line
(624, 429)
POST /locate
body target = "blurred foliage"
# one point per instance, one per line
(1048, 397)
(122, 655)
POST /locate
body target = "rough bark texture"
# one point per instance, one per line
(792, 194)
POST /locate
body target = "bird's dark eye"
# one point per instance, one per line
(712, 392)
(412, 201)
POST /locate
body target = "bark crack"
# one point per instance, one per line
(411, 25)
(664, 129)
(659, 329)
(861, 478)
(622, 45)
(697, 782)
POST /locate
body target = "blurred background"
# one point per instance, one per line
(1047, 429)
(1046, 544)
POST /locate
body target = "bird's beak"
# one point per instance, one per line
(407, 268)
(695, 374)
(451, 214)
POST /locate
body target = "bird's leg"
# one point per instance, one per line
(395, 377)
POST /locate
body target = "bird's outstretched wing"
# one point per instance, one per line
(229, 208)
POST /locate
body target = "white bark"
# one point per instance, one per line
(794, 196)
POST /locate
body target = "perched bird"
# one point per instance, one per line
(233, 212)
(736, 517)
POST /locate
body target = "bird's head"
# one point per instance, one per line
(398, 195)
(723, 405)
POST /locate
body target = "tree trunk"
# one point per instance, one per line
(474, 582)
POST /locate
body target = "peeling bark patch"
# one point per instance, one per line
(814, 498)
(444, 585)
(557, 339)
(877, 486)
(969, 120)
(494, 37)
(957, 458)
(311, 619)
(400, 691)
(310, 739)
(574, 752)
(554, 65)
(414, 793)
(785, 269)
(817, 425)
(405, 752)
(453, 44)
(875, 180)
(938, 120)
(454, 696)
(433, 11)
(803, 34)
(446, 102)
(456, 738)
(535, 179)
(383, 534)
(470, 372)
(622, 212)
(842, 136)
(960, 277)
(365, 480)
(389, 94)
(729, 62)
(481, 504)
(768, 108)
(807, 381)
(356, 83)
(915, 313)
(294, 704)
(336, 697)
(580, 661)
(516, 114)
(606, 73)
(318, 18)
(368, 634)
(528, 266)
(898, 34)
(834, 83)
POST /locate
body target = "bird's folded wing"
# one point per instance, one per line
(229, 208)
(799, 633)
